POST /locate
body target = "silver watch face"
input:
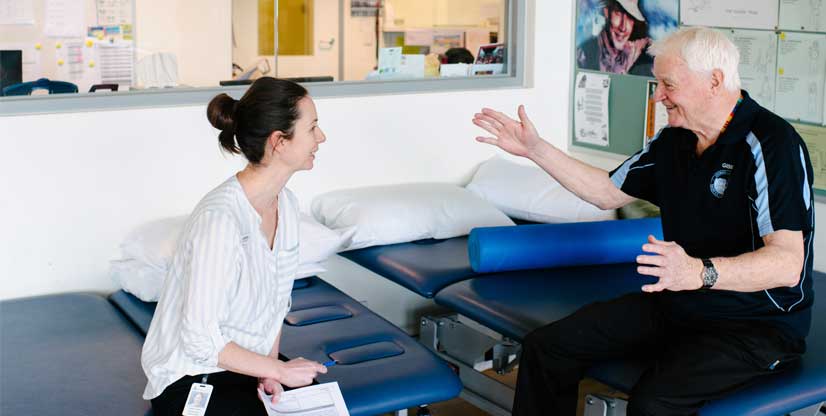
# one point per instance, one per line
(709, 276)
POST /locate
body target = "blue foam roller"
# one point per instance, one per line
(498, 249)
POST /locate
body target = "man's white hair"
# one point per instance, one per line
(704, 50)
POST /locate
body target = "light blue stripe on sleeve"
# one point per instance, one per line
(807, 197)
(618, 178)
(761, 183)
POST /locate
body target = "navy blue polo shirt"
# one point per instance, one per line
(756, 179)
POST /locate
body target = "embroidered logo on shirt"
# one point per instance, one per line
(719, 182)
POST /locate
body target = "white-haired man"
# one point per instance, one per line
(732, 295)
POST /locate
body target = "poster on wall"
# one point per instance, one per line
(656, 116)
(363, 8)
(801, 71)
(815, 138)
(591, 108)
(758, 63)
(805, 15)
(614, 35)
(742, 14)
(115, 12)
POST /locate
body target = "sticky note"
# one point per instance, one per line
(781, 71)
(58, 45)
(89, 43)
(38, 46)
(60, 62)
(91, 63)
(782, 35)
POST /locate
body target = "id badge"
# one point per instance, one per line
(196, 402)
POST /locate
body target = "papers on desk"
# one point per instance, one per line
(319, 400)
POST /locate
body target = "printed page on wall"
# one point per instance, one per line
(16, 12)
(801, 70)
(805, 15)
(815, 138)
(758, 63)
(656, 116)
(591, 108)
(743, 14)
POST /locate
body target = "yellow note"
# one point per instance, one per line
(781, 71)
(58, 45)
(91, 63)
(38, 46)
(60, 62)
(815, 138)
(89, 43)
(782, 35)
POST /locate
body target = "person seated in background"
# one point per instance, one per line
(732, 297)
(220, 313)
(458, 56)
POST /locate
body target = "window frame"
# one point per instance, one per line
(179, 97)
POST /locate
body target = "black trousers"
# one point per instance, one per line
(233, 394)
(691, 362)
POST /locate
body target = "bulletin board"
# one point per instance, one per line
(84, 42)
(783, 67)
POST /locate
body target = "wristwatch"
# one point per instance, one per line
(709, 274)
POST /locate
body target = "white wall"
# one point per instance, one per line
(74, 184)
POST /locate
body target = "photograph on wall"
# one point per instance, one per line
(491, 54)
(614, 35)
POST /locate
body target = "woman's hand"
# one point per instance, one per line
(271, 386)
(299, 372)
(515, 137)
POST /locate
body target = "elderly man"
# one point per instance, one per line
(732, 299)
(620, 46)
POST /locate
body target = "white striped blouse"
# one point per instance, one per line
(225, 284)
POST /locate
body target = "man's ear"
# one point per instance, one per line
(717, 81)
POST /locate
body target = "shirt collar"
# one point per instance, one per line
(741, 124)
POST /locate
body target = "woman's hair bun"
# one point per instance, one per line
(221, 114)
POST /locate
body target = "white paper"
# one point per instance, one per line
(412, 66)
(390, 60)
(454, 70)
(758, 63)
(32, 70)
(116, 63)
(801, 70)
(805, 15)
(16, 12)
(591, 108)
(418, 37)
(744, 14)
(319, 400)
(65, 18)
(115, 12)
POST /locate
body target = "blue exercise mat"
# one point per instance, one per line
(498, 249)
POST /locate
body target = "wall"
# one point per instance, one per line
(74, 184)
(203, 49)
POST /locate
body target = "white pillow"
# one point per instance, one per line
(147, 253)
(529, 193)
(406, 212)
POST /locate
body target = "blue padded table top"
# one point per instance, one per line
(385, 370)
(383, 382)
(69, 354)
(425, 266)
(515, 303)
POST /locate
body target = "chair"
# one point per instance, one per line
(26, 88)
(110, 87)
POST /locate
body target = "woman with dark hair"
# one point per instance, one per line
(219, 317)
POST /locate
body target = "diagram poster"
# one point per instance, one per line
(801, 70)
(743, 14)
(758, 63)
